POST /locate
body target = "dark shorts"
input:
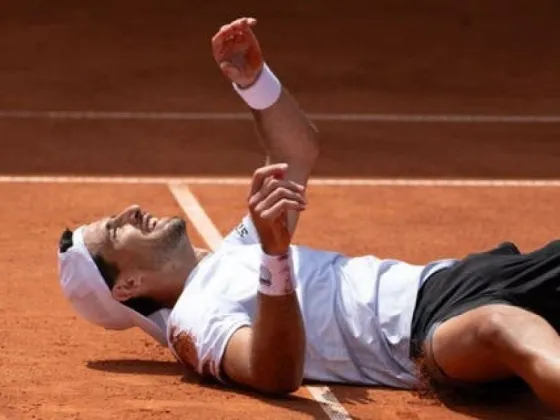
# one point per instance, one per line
(501, 275)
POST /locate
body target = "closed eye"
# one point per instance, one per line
(111, 229)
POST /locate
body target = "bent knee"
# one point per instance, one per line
(469, 347)
(504, 330)
(494, 330)
(490, 342)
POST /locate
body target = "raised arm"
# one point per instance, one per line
(285, 132)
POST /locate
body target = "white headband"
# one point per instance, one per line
(90, 296)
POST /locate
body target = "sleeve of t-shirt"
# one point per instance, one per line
(199, 329)
(244, 233)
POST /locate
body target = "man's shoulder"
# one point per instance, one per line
(216, 272)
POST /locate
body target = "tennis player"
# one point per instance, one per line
(263, 313)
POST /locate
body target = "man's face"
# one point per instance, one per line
(135, 240)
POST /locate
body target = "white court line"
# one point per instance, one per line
(242, 116)
(192, 208)
(212, 236)
(341, 182)
(329, 403)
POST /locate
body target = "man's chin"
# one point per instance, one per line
(177, 227)
(174, 223)
(178, 223)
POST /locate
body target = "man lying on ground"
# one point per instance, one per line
(263, 313)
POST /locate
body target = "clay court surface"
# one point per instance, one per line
(386, 60)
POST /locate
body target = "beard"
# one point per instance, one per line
(166, 245)
(175, 232)
(174, 245)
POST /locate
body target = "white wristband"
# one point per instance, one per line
(276, 275)
(264, 92)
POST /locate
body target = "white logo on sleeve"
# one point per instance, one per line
(241, 230)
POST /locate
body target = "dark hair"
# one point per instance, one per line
(144, 305)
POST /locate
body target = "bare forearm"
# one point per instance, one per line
(286, 133)
(278, 333)
(278, 345)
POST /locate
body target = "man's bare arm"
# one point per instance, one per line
(288, 136)
(285, 132)
(269, 355)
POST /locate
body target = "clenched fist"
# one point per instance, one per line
(270, 199)
(237, 52)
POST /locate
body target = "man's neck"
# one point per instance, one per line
(180, 278)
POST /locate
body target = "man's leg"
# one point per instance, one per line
(499, 341)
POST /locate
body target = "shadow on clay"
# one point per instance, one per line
(137, 366)
(297, 403)
(304, 405)
(513, 401)
(518, 403)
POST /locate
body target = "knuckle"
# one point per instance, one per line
(294, 186)
(281, 190)
(291, 204)
(265, 214)
(272, 182)
(253, 201)
(280, 193)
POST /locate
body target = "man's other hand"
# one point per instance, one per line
(237, 52)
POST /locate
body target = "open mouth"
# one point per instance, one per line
(149, 223)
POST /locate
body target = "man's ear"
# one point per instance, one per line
(127, 286)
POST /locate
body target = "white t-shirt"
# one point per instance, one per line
(357, 311)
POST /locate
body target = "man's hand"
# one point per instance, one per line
(237, 52)
(270, 199)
